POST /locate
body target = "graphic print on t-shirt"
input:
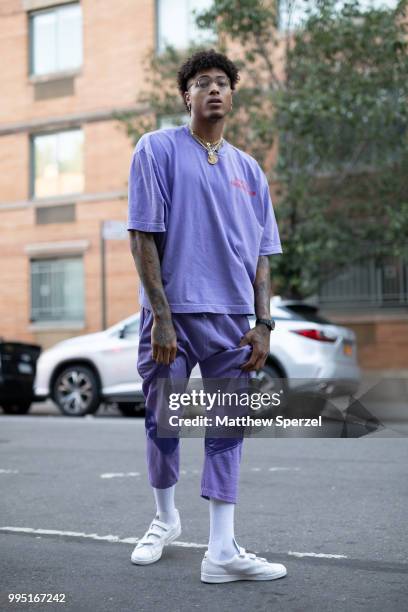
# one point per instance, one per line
(241, 184)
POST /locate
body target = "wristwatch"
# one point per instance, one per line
(270, 323)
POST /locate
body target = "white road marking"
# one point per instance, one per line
(119, 474)
(283, 469)
(312, 554)
(72, 534)
(91, 536)
(252, 469)
(190, 544)
(117, 539)
(2, 471)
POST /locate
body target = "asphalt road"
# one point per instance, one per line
(75, 496)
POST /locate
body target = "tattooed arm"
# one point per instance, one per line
(262, 288)
(146, 258)
(259, 336)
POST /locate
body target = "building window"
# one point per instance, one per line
(57, 289)
(57, 164)
(292, 13)
(370, 283)
(56, 39)
(182, 13)
(55, 214)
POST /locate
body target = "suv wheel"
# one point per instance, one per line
(269, 380)
(76, 391)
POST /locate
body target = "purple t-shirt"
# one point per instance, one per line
(211, 222)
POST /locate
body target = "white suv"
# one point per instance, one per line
(80, 373)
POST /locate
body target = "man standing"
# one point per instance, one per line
(201, 228)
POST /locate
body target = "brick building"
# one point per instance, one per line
(66, 68)
(65, 161)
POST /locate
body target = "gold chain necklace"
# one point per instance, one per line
(211, 148)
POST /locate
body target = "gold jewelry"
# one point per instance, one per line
(212, 148)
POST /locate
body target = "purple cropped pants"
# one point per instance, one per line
(211, 340)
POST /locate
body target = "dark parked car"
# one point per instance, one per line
(17, 371)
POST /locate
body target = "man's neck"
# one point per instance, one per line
(208, 131)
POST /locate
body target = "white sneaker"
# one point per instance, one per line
(150, 548)
(243, 566)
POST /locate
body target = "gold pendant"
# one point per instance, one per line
(212, 158)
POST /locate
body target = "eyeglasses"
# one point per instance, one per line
(204, 82)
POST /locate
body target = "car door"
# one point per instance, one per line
(120, 360)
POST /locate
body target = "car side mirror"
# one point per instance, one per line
(122, 332)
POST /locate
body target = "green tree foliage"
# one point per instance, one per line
(332, 94)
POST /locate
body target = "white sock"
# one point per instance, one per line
(165, 504)
(221, 544)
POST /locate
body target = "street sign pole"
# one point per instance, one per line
(109, 230)
(103, 276)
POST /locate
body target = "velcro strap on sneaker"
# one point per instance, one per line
(158, 529)
(156, 522)
(163, 526)
(144, 541)
(253, 557)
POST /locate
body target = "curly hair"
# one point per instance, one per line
(202, 60)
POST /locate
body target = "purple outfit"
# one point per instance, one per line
(212, 341)
(211, 223)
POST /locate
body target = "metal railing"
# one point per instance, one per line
(368, 283)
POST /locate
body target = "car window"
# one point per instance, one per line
(132, 328)
(304, 312)
(276, 314)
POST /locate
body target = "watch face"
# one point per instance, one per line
(270, 323)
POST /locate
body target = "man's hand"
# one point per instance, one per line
(258, 337)
(146, 257)
(164, 341)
